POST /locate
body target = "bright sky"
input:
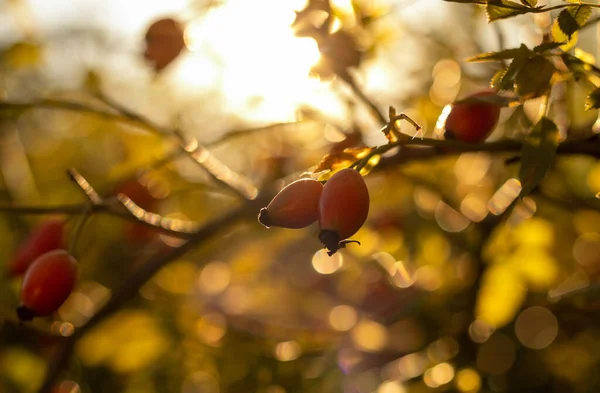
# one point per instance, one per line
(245, 49)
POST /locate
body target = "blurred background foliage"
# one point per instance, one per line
(442, 294)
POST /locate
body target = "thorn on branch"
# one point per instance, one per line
(156, 220)
(85, 186)
(240, 184)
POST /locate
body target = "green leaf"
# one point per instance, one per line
(593, 100)
(496, 80)
(482, 2)
(529, 3)
(537, 154)
(500, 55)
(547, 47)
(506, 80)
(580, 69)
(503, 9)
(573, 18)
(533, 78)
(517, 122)
(10, 112)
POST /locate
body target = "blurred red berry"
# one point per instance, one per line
(47, 284)
(46, 237)
(164, 42)
(472, 121)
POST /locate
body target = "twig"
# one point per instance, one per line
(33, 210)
(250, 131)
(81, 108)
(85, 186)
(375, 111)
(241, 185)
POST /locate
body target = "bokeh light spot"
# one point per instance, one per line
(215, 277)
(325, 264)
(370, 336)
(287, 351)
(496, 355)
(342, 318)
(536, 327)
(468, 380)
(439, 375)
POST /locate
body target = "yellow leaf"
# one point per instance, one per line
(23, 55)
(500, 296)
(537, 267)
(534, 232)
(340, 160)
(559, 36)
(23, 368)
(127, 342)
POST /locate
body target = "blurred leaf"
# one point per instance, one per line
(339, 160)
(529, 3)
(539, 150)
(339, 51)
(505, 80)
(593, 100)
(482, 2)
(502, 9)
(126, 342)
(533, 78)
(580, 69)
(573, 18)
(92, 82)
(23, 55)
(22, 367)
(518, 121)
(10, 112)
(548, 46)
(500, 296)
(500, 55)
(537, 267)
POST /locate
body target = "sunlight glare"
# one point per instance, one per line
(259, 56)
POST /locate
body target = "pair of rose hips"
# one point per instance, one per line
(50, 272)
(341, 206)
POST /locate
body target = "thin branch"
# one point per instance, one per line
(81, 108)
(250, 131)
(74, 209)
(239, 184)
(220, 172)
(375, 111)
(85, 186)
(112, 207)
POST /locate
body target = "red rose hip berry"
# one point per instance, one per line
(164, 42)
(343, 209)
(47, 284)
(295, 206)
(472, 121)
(47, 237)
